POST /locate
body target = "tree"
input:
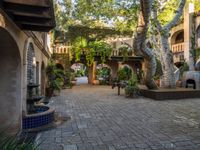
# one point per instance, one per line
(166, 54)
(140, 45)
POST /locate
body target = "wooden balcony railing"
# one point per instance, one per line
(177, 48)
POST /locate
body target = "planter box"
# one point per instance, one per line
(173, 94)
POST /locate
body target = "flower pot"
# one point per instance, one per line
(96, 82)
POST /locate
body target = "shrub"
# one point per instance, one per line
(12, 143)
(55, 76)
(183, 68)
(132, 89)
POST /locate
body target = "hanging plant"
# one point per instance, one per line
(90, 55)
(91, 49)
(79, 45)
(103, 49)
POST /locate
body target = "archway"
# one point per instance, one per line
(59, 66)
(10, 79)
(128, 71)
(80, 72)
(177, 37)
(177, 41)
(103, 73)
(43, 77)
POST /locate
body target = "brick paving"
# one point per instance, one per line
(101, 120)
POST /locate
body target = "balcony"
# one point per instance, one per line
(178, 48)
(34, 15)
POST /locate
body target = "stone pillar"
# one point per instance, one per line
(92, 73)
(94, 70)
(188, 27)
(120, 65)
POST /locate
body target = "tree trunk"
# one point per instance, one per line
(166, 55)
(140, 46)
(167, 64)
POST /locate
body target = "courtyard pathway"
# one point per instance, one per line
(101, 120)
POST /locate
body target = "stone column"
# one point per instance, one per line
(120, 65)
(92, 73)
(188, 27)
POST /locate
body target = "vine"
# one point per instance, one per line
(91, 49)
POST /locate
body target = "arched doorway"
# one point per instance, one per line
(59, 66)
(125, 72)
(103, 73)
(10, 79)
(198, 36)
(80, 72)
(43, 74)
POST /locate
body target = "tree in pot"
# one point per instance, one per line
(55, 79)
(132, 89)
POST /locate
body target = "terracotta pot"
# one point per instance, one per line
(96, 82)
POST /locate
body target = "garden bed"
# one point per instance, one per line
(167, 94)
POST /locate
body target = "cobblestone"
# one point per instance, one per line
(101, 120)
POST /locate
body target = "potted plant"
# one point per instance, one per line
(55, 79)
(73, 79)
(132, 89)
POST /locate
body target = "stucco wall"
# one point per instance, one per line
(23, 40)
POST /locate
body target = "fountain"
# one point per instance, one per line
(38, 115)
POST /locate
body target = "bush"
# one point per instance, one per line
(183, 68)
(55, 76)
(132, 89)
(12, 143)
(124, 73)
(121, 75)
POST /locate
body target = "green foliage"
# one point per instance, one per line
(102, 49)
(119, 15)
(68, 79)
(80, 73)
(11, 143)
(79, 45)
(103, 72)
(132, 89)
(121, 75)
(90, 49)
(196, 54)
(125, 51)
(169, 9)
(55, 76)
(133, 80)
(124, 73)
(184, 68)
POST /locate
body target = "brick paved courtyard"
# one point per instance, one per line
(101, 120)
